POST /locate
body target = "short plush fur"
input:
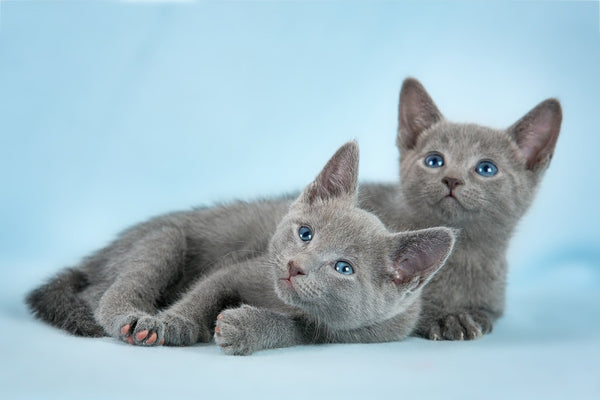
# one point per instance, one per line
(159, 284)
(464, 299)
(460, 303)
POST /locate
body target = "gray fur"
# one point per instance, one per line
(168, 280)
(464, 299)
(59, 304)
(460, 303)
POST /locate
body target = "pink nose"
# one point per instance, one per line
(451, 182)
(295, 269)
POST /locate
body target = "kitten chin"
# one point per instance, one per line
(454, 210)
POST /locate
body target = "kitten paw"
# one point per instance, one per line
(141, 330)
(163, 329)
(148, 331)
(180, 331)
(233, 332)
(460, 326)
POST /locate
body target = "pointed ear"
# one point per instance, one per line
(418, 255)
(416, 113)
(339, 177)
(536, 133)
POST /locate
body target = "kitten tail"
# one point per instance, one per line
(58, 303)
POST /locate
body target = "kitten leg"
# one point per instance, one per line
(191, 318)
(144, 271)
(244, 330)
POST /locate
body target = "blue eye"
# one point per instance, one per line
(486, 168)
(305, 233)
(434, 161)
(344, 268)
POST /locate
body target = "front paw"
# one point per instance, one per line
(141, 330)
(462, 325)
(180, 331)
(234, 331)
(150, 330)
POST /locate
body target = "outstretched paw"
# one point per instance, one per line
(460, 326)
(180, 331)
(142, 330)
(233, 331)
(162, 329)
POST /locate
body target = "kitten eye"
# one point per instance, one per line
(434, 160)
(344, 268)
(486, 168)
(305, 233)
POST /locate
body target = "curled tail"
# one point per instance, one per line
(58, 303)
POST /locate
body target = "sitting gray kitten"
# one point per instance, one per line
(332, 273)
(465, 176)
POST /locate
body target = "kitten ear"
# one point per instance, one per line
(416, 113)
(536, 133)
(418, 255)
(339, 177)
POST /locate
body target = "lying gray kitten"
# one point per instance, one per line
(491, 175)
(465, 176)
(332, 273)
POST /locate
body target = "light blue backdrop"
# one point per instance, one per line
(112, 112)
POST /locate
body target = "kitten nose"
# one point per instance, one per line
(451, 182)
(295, 269)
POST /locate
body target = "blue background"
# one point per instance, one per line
(111, 112)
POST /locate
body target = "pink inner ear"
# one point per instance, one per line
(416, 265)
(417, 112)
(407, 270)
(536, 133)
(534, 141)
(420, 254)
(339, 177)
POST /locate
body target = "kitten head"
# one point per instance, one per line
(460, 173)
(339, 263)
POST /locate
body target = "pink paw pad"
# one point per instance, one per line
(141, 335)
(125, 330)
(152, 338)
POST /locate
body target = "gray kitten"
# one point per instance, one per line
(491, 175)
(465, 176)
(332, 273)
